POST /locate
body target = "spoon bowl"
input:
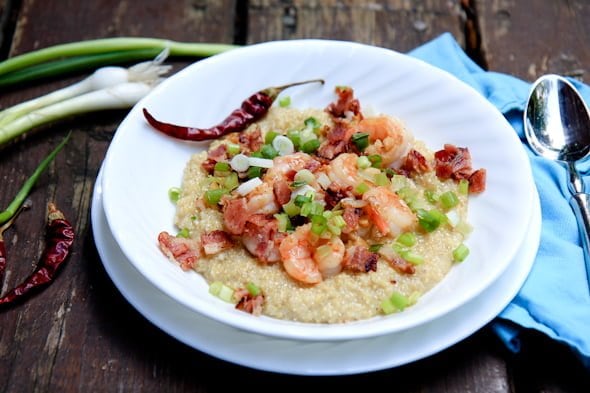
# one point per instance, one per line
(557, 126)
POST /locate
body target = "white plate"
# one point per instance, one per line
(142, 164)
(310, 358)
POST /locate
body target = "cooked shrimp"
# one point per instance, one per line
(388, 212)
(262, 200)
(262, 238)
(343, 171)
(285, 167)
(296, 252)
(387, 138)
(329, 256)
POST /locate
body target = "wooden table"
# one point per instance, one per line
(80, 334)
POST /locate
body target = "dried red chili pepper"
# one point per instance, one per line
(59, 239)
(251, 110)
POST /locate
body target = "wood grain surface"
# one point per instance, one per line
(80, 334)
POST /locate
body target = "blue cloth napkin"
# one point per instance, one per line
(555, 298)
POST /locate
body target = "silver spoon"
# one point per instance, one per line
(557, 126)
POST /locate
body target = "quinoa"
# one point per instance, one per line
(345, 297)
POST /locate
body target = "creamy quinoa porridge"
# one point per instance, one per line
(323, 215)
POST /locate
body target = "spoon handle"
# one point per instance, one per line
(581, 204)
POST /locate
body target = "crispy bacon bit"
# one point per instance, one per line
(250, 140)
(415, 162)
(337, 140)
(248, 303)
(282, 191)
(213, 156)
(335, 194)
(216, 241)
(185, 252)
(453, 162)
(477, 181)
(235, 214)
(359, 259)
(345, 105)
(401, 265)
(262, 238)
(351, 216)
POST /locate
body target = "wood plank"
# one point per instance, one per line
(79, 333)
(528, 39)
(395, 24)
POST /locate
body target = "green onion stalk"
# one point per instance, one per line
(74, 56)
(108, 87)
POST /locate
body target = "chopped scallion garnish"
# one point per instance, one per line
(174, 194)
(460, 253)
(360, 140)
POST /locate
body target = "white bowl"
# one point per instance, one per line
(142, 164)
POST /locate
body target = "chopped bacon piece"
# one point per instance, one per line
(262, 238)
(335, 194)
(401, 265)
(250, 140)
(351, 216)
(235, 214)
(477, 181)
(337, 140)
(415, 162)
(249, 303)
(453, 162)
(345, 105)
(359, 259)
(185, 252)
(216, 241)
(213, 156)
(282, 191)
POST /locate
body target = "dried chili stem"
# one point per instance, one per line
(23, 193)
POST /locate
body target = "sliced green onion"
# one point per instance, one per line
(212, 197)
(270, 136)
(221, 166)
(360, 140)
(261, 162)
(362, 162)
(361, 188)
(222, 291)
(295, 137)
(291, 208)
(300, 200)
(231, 181)
(412, 257)
(407, 239)
(232, 149)
(283, 145)
(240, 162)
(318, 224)
(248, 186)
(284, 101)
(310, 146)
(254, 172)
(429, 220)
(184, 233)
(431, 196)
(399, 300)
(283, 221)
(312, 122)
(449, 199)
(460, 253)
(305, 176)
(174, 194)
(375, 247)
(253, 289)
(463, 187)
(381, 179)
(268, 151)
(376, 160)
